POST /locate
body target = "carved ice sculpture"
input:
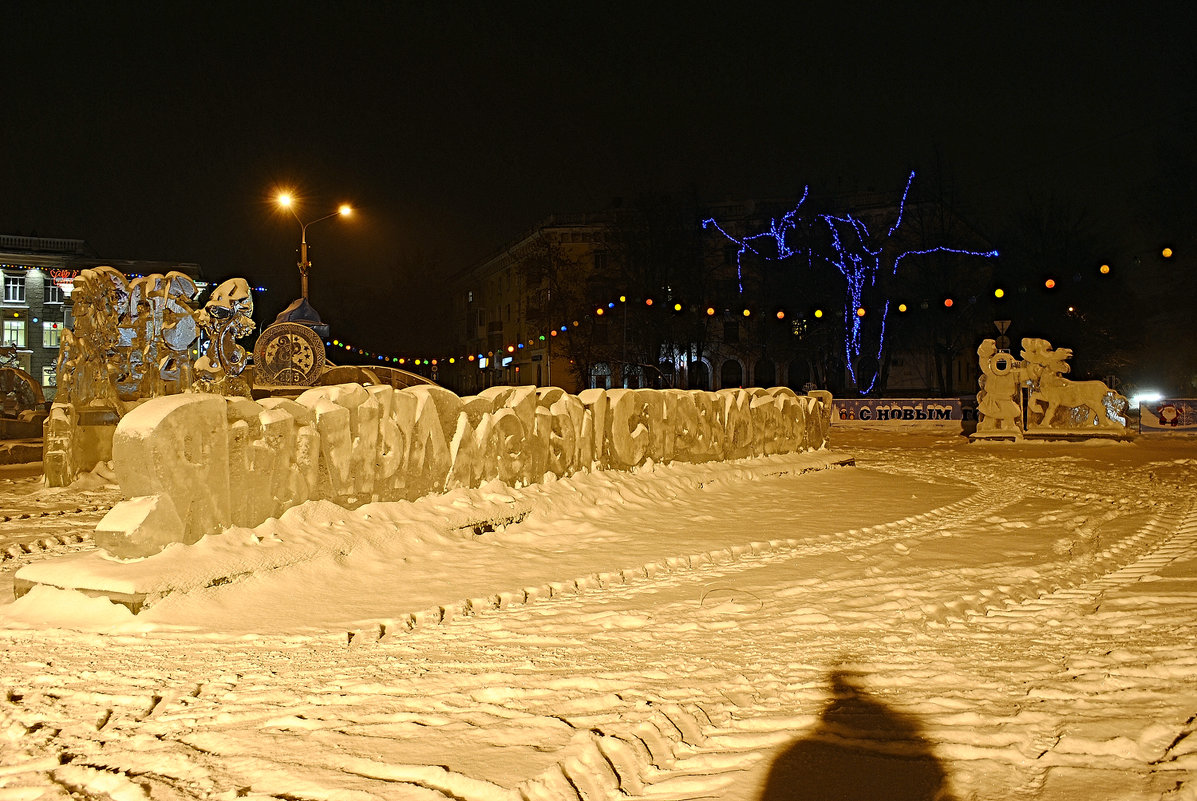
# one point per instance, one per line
(225, 318)
(88, 359)
(19, 392)
(1087, 404)
(1053, 406)
(9, 356)
(197, 463)
(132, 341)
(999, 410)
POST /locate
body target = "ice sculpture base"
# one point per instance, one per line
(1052, 435)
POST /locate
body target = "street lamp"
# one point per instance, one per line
(287, 202)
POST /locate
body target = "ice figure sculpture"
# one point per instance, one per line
(999, 411)
(19, 392)
(1087, 404)
(1031, 397)
(89, 360)
(196, 463)
(225, 318)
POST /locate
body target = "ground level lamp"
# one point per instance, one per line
(287, 202)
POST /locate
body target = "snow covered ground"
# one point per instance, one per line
(979, 621)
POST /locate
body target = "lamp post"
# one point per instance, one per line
(287, 202)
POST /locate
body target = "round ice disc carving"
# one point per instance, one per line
(289, 354)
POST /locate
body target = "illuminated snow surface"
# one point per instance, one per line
(988, 621)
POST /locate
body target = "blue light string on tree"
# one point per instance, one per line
(860, 265)
(778, 229)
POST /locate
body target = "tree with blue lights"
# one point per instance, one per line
(868, 255)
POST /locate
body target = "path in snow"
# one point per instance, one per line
(1011, 640)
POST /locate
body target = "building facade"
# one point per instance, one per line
(36, 305)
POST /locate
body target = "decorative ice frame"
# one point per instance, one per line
(194, 464)
(1032, 398)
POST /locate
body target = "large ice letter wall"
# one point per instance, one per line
(193, 464)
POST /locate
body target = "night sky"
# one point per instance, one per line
(161, 131)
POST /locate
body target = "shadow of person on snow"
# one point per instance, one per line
(860, 749)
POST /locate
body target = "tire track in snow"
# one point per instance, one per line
(1167, 537)
(625, 716)
(735, 748)
(1163, 537)
(719, 563)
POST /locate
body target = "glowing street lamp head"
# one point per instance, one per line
(345, 210)
(284, 199)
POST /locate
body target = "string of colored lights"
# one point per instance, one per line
(512, 347)
(778, 229)
(604, 309)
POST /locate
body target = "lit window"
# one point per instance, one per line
(51, 334)
(14, 288)
(14, 330)
(49, 376)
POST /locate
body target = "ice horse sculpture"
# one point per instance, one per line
(193, 464)
(1051, 405)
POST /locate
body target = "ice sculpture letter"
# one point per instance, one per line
(196, 463)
